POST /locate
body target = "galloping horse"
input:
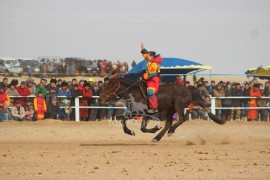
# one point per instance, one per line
(172, 98)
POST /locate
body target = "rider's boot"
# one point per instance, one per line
(153, 104)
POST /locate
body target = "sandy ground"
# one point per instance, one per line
(100, 150)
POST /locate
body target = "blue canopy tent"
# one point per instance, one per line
(170, 68)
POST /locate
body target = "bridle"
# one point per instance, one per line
(115, 93)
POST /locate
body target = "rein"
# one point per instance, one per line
(119, 85)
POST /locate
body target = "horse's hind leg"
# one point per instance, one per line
(168, 124)
(178, 123)
(144, 125)
(125, 128)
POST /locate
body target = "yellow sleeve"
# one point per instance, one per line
(45, 106)
(35, 104)
(152, 68)
(8, 100)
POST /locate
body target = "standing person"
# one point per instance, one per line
(86, 98)
(23, 91)
(29, 110)
(41, 88)
(2, 113)
(244, 102)
(179, 80)
(4, 97)
(212, 87)
(40, 106)
(94, 102)
(18, 112)
(152, 77)
(133, 64)
(31, 86)
(218, 92)
(227, 103)
(80, 86)
(12, 91)
(51, 95)
(236, 103)
(75, 92)
(254, 92)
(53, 109)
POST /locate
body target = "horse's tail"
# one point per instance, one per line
(216, 119)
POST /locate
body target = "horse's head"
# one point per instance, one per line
(110, 91)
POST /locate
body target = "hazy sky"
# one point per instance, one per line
(229, 35)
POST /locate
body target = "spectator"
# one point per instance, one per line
(94, 102)
(227, 103)
(212, 87)
(254, 92)
(244, 102)
(236, 103)
(91, 82)
(86, 98)
(133, 64)
(67, 110)
(30, 113)
(23, 91)
(106, 81)
(59, 83)
(40, 106)
(31, 86)
(75, 92)
(18, 112)
(197, 110)
(51, 95)
(218, 92)
(262, 103)
(179, 80)
(11, 91)
(41, 88)
(69, 85)
(4, 98)
(53, 109)
(80, 86)
(200, 90)
(4, 83)
(2, 113)
(52, 84)
(190, 87)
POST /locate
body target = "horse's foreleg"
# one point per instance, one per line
(125, 128)
(178, 123)
(168, 124)
(144, 125)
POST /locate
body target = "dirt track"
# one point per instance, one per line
(88, 150)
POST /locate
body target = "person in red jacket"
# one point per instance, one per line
(23, 91)
(179, 80)
(4, 98)
(86, 97)
(80, 86)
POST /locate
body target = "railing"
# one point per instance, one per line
(213, 105)
(77, 105)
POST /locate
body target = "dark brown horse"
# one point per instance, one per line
(172, 98)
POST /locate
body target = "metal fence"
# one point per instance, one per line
(213, 107)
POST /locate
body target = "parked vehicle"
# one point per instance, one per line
(10, 66)
(48, 59)
(27, 64)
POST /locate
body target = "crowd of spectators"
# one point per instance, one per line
(231, 106)
(55, 99)
(50, 100)
(73, 67)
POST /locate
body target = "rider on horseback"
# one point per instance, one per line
(152, 77)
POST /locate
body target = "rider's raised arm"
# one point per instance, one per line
(144, 51)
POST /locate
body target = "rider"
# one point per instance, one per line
(151, 77)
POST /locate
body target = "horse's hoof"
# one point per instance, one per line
(132, 133)
(154, 140)
(170, 134)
